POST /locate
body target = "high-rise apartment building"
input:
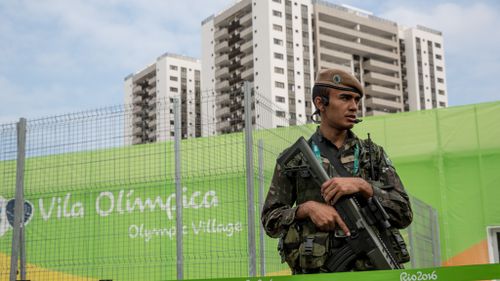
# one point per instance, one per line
(280, 44)
(365, 45)
(149, 95)
(423, 69)
(268, 43)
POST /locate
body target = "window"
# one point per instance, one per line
(279, 84)
(442, 104)
(280, 99)
(173, 89)
(305, 34)
(173, 67)
(441, 92)
(438, 57)
(173, 78)
(278, 56)
(280, 113)
(279, 70)
(277, 1)
(289, 16)
(291, 87)
(439, 68)
(278, 42)
(440, 80)
(277, 13)
(277, 27)
(437, 45)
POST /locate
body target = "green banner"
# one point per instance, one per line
(452, 273)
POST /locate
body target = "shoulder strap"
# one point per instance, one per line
(339, 169)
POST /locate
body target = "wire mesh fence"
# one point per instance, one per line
(102, 187)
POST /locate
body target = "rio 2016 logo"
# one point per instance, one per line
(7, 214)
(418, 276)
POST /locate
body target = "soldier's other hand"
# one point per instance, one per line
(334, 188)
(324, 216)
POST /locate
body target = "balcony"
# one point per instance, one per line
(381, 104)
(381, 79)
(381, 67)
(223, 125)
(152, 81)
(137, 90)
(137, 100)
(247, 60)
(246, 34)
(380, 91)
(326, 64)
(222, 73)
(352, 46)
(247, 74)
(222, 60)
(137, 131)
(221, 34)
(221, 47)
(335, 56)
(136, 109)
(137, 120)
(246, 20)
(246, 47)
(223, 112)
(375, 112)
(152, 124)
(152, 135)
(341, 31)
(222, 86)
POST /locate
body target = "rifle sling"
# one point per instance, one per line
(331, 154)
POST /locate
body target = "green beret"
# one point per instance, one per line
(338, 79)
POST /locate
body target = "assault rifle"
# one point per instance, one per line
(366, 219)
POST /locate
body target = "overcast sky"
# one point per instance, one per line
(62, 56)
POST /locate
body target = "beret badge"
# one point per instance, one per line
(336, 79)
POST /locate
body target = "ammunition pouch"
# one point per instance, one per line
(314, 250)
(303, 249)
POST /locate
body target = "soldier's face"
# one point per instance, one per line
(340, 113)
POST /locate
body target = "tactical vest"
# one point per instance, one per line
(303, 247)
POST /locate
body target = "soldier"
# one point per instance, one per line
(295, 207)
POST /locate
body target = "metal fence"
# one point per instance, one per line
(100, 189)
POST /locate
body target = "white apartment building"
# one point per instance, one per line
(268, 43)
(149, 96)
(367, 46)
(424, 76)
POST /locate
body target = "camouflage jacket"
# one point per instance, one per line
(288, 191)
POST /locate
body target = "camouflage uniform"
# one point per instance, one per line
(288, 191)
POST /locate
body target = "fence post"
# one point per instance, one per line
(178, 188)
(18, 235)
(261, 204)
(252, 262)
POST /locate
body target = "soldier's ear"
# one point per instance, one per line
(319, 103)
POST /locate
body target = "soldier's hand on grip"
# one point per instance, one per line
(324, 216)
